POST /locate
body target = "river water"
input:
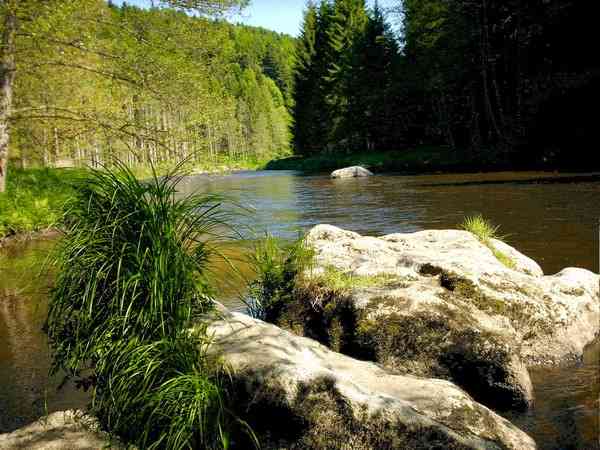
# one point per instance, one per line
(551, 218)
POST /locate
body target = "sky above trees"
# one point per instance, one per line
(284, 16)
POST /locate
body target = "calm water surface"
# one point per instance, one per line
(551, 218)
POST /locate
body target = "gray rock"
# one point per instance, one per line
(326, 400)
(440, 304)
(351, 172)
(64, 430)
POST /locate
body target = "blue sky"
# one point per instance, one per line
(284, 16)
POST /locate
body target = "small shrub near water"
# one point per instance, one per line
(131, 279)
(277, 266)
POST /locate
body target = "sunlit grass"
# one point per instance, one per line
(482, 228)
(338, 280)
(34, 199)
(485, 231)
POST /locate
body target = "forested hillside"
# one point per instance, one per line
(505, 81)
(146, 85)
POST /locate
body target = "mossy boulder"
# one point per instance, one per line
(446, 308)
(297, 394)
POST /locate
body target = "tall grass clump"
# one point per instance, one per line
(486, 232)
(132, 275)
(277, 266)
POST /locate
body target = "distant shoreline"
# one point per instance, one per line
(418, 161)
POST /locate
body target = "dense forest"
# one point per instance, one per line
(509, 83)
(93, 80)
(505, 81)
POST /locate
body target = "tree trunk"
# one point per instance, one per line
(7, 76)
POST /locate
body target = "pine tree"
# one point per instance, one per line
(344, 32)
(372, 107)
(305, 83)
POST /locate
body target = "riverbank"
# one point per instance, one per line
(421, 160)
(274, 387)
(34, 200)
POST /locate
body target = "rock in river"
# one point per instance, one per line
(441, 304)
(302, 395)
(64, 430)
(351, 172)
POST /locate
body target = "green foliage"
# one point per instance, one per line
(34, 199)
(278, 267)
(343, 78)
(485, 231)
(482, 228)
(204, 6)
(132, 275)
(490, 77)
(163, 394)
(149, 86)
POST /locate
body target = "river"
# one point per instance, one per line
(551, 218)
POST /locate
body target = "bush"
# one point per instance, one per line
(131, 279)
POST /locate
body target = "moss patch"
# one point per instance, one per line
(574, 292)
(318, 417)
(431, 344)
(338, 280)
(523, 316)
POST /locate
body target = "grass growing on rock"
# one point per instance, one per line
(132, 275)
(486, 232)
(278, 267)
(339, 280)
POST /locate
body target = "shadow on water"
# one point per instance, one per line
(566, 414)
(554, 223)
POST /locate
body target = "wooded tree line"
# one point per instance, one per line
(89, 80)
(511, 81)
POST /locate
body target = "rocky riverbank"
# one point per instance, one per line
(401, 341)
(440, 304)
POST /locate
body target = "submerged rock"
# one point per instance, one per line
(440, 304)
(351, 172)
(72, 430)
(298, 394)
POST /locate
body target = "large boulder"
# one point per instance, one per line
(64, 430)
(298, 394)
(351, 172)
(441, 304)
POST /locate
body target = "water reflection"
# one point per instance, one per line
(26, 391)
(566, 414)
(554, 222)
